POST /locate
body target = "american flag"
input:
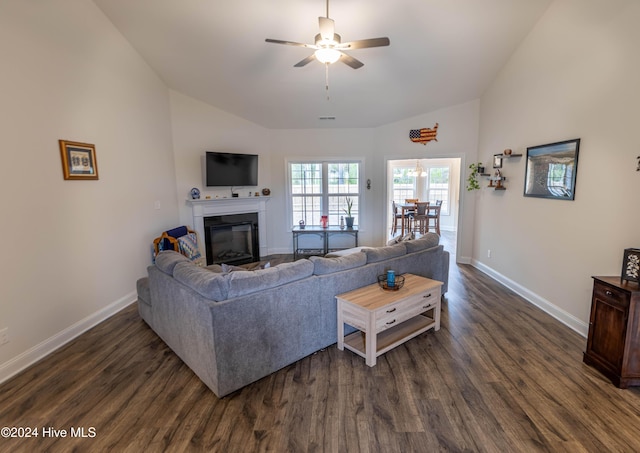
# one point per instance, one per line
(423, 135)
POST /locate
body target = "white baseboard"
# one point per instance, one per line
(280, 251)
(31, 356)
(566, 318)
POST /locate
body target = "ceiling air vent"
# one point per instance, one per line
(327, 118)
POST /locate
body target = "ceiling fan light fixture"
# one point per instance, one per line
(329, 47)
(327, 55)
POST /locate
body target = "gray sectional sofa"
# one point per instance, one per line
(234, 328)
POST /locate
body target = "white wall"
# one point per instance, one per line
(575, 76)
(199, 127)
(72, 250)
(457, 137)
(320, 144)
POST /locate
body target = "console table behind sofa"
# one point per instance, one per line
(326, 235)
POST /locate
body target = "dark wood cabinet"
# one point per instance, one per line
(613, 344)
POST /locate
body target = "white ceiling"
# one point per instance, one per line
(442, 53)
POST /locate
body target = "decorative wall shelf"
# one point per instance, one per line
(496, 182)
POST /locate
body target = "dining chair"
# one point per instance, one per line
(396, 217)
(181, 239)
(420, 217)
(434, 216)
(410, 213)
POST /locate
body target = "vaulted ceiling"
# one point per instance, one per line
(442, 53)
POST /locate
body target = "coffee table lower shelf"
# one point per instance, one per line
(390, 338)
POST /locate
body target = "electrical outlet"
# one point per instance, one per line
(4, 336)
(489, 253)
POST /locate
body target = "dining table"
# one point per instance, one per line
(433, 211)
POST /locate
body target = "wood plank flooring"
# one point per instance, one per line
(499, 376)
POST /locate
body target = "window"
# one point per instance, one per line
(403, 185)
(322, 188)
(438, 187)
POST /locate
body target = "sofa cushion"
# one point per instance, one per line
(214, 268)
(384, 253)
(247, 282)
(166, 261)
(407, 237)
(144, 293)
(206, 283)
(425, 242)
(322, 265)
(249, 267)
(344, 252)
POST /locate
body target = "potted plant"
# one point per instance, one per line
(472, 180)
(348, 219)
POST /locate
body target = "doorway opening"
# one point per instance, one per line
(426, 179)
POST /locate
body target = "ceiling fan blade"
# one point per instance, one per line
(364, 43)
(327, 28)
(288, 43)
(305, 62)
(350, 61)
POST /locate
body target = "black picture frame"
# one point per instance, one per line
(631, 265)
(497, 161)
(551, 170)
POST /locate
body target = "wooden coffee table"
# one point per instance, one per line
(386, 319)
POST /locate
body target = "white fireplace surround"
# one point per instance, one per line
(225, 206)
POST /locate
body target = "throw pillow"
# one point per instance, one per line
(188, 246)
(399, 239)
(232, 268)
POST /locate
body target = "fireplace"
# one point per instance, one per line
(221, 207)
(232, 239)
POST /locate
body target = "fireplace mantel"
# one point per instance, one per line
(224, 206)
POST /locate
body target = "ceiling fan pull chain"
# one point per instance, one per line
(326, 79)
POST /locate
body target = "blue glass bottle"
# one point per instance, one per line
(391, 279)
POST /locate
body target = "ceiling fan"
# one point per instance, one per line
(328, 47)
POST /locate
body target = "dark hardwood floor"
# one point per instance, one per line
(500, 376)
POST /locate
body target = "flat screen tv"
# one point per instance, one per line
(231, 169)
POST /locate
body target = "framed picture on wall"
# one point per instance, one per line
(497, 161)
(78, 160)
(631, 265)
(551, 170)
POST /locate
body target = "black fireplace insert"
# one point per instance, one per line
(232, 239)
